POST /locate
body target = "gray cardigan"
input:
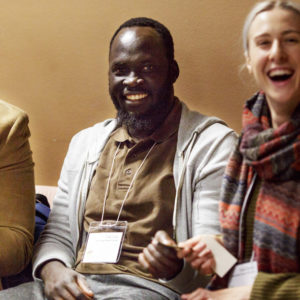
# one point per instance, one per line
(204, 144)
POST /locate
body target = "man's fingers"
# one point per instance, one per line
(162, 237)
(159, 265)
(160, 259)
(143, 261)
(65, 295)
(64, 283)
(68, 291)
(84, 287)
(154, 258)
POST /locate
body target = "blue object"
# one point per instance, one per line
(41, 216)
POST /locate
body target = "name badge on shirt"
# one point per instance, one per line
(105, 241)
(243, 274)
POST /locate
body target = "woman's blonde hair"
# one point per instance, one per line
(266, 6)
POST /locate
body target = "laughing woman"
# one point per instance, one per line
(260, 207)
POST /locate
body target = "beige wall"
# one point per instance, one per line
(53, 63)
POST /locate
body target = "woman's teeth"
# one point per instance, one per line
(279, 75)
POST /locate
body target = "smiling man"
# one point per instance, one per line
(141, 78)
(156, 167)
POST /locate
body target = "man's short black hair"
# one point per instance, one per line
(162, 30)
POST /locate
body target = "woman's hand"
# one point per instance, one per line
(197, 254)
(236, 293)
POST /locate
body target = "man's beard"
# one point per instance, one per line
(150, 120)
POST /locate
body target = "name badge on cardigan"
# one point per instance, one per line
(243, 274)
(104, 243)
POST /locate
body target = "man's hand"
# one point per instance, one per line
(236, 293)
(198, 255)
(161, 261)
(64, 283)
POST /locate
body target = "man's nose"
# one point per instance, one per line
(132, 80)
(277, 52)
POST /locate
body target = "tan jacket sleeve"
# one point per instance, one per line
(280, 286)
(16, 191)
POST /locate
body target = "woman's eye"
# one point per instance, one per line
(292, 40)
(263, 43)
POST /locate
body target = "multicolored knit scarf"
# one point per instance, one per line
(274, 154)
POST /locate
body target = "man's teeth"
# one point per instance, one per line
(136, 96)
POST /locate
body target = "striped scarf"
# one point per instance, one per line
(274, 154)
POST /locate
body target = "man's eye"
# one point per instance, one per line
(119, 71)
(148, 68)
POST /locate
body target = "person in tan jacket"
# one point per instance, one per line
(16, 191)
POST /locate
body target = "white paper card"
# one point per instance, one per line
(243, 274)
(103, 247)
(223, 258)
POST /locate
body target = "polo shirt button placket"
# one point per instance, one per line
(128, 172)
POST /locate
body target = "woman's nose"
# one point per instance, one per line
(277, 52)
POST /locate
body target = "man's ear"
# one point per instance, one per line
(174, 71)
(248, 62)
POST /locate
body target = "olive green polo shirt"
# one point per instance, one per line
(150, 203)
